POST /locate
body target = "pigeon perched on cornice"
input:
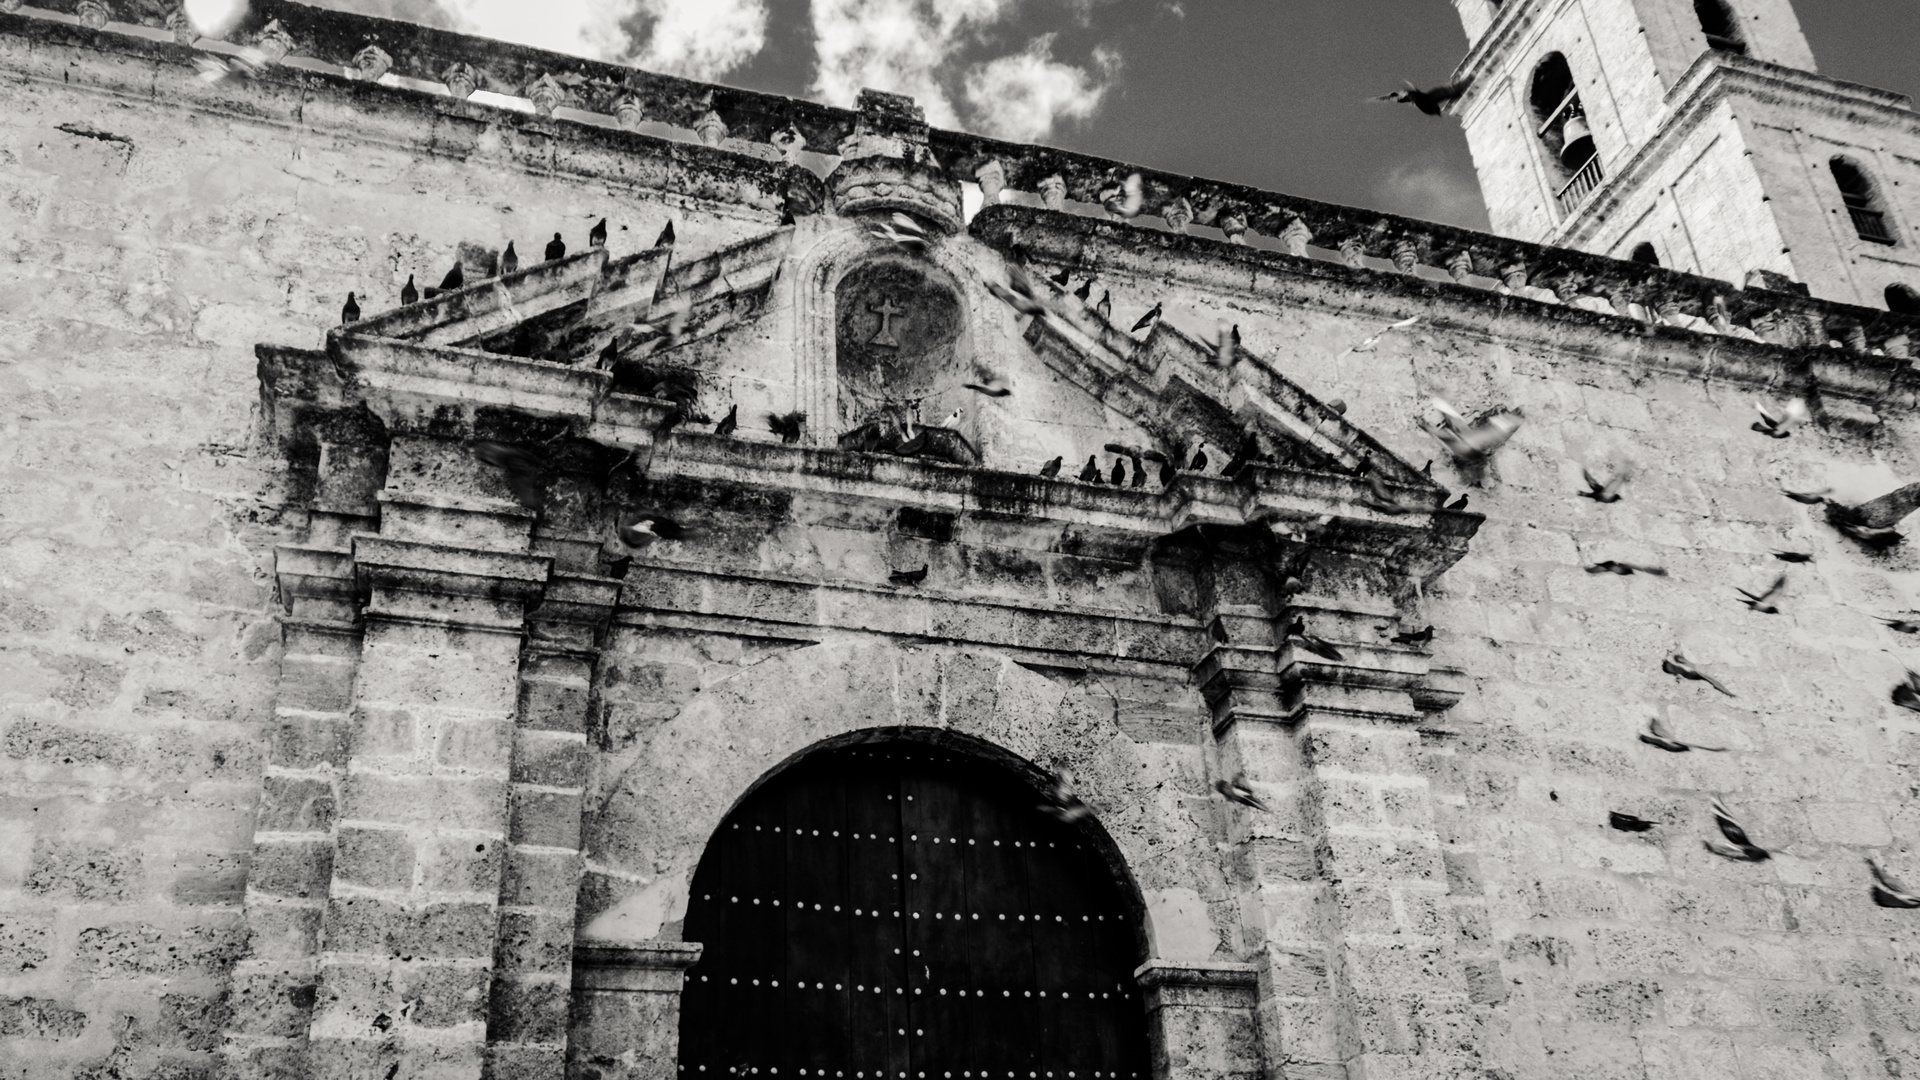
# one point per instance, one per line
(787, 425)
(1105, 304)
(1427, 101)
(1316, 645)
(350, 311)
(409, 293)
(597, 236)
(556, 248)
(509, 260)
(1052, 468)
(665, 239)
(1152, 316)
(1091, 473)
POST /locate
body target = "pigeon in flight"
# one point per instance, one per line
(787, 425)
(1658, 735)
(509, 260)
(1237, 791)
(409, 293)
(1427, 101)
(1902, 625)
(1052, 468)
(901, 230)
(350, 311)
(1227, 346)
(1414, 637)
(1872, 522)
(1062, 804)
(1628, 822)
(909, 577)
(1779, 425)
(1678, 665)
(1372, 341)
(1906, 693)
(1765, 602)
(1889, 891)
(1623, 568)
(556, 248)
(1608, 492)
(1152, 316)
(524, 471)
(1792, 556)
(1737, 847)
(643, 530)
(1471, 444)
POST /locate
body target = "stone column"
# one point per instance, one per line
(1200, 1019)
(421, 840)
(1343, 883)
(626, 1008)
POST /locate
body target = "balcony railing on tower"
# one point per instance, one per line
(1576, 190)
(1870, 224)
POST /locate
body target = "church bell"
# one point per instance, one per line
(1576, 142)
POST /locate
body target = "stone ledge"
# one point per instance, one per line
(633, 966)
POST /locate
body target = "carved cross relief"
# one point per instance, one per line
(886, 309)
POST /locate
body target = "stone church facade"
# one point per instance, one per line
(344, 736)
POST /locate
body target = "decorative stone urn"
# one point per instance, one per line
(885, 166)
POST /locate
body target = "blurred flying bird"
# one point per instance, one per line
(1471, 443)
(1779, 425)
(1608, 492)
(524, 471)
(1679, 666)
(1427, 101)
(1372, 341)
(1317, 646)
(1765, 603)
(1737, 847)
(1062, 804)
(1902, 625)
(900, 229)
(1658, 735)
(644, 529)
(1237, 791)
(1889, 891)
(1628, 823)
(1415, 637)
(909, 577)
(1793, 556)
(1906, 693)
(1623, 568)
(1118, 478)
(787, 425)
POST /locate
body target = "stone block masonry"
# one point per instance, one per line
(321, 756)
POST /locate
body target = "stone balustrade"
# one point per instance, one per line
(777, 129)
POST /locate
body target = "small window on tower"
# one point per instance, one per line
(1856, 191)
(1644, 253)
(1721, 26)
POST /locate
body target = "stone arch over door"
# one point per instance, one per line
(895, 905)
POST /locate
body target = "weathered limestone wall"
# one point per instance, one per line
(1430, 898)
(150, 245)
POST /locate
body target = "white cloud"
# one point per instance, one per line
(914, 47)
(1019, 97)
(702, 39)
(1432, 191)
(581, 27)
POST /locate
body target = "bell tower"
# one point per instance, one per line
(1695, 134)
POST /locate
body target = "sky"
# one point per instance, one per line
(1260, 92)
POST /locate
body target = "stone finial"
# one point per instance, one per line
(992, 178)
(1053, 192)
(1513, 276)
(274, 42)
(1351, 251)
(1296, 236)
(92, 14)
(1406, 254)
(1233, 222)
(461, 79)
(1899, 346)
(547, 94)
(711, 130)
(10, 6)
(180, 25)
(789, 142)
(1668, 308)
(372, 62)
(1718, 316)
(1178, 214)
(1460, 265)
(1568, 287)
(628, 113)
(1854, 338)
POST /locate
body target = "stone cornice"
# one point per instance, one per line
(1510, 21)
(330, 44)
(1713, 78)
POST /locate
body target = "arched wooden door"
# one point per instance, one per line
(878, 913)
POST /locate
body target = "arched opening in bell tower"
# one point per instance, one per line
(1721, 26)
(1861, 200)
(900, 908)
(1572, 160)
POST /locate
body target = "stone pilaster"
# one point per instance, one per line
(1343, 883)
(412, 911)
(626, 1013)
(1201, 1019)
(533, 960)
(273, 985)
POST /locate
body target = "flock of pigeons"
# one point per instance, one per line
(1471, 443)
